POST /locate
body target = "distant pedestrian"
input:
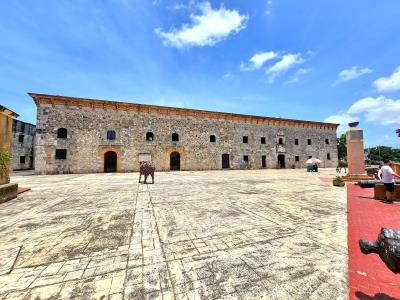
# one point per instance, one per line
(387, 175)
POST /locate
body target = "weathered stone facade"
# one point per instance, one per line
(86, 147)
(23, 145)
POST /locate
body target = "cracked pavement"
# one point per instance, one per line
(256, 234)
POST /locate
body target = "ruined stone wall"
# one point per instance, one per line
(87, 142)
(23, 141)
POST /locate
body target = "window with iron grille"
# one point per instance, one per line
(111, 135)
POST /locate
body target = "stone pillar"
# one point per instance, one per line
(355, 153)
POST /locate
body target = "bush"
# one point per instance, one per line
(338, 181)
(5, 158)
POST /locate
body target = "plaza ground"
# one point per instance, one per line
(259, 234)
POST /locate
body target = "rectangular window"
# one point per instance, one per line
(22, 127)
(61, 153)
(111, 135)
(310, 156)
(264, 161)
(245, 139)
(296, 141)
(22, 159)
(297, 158)
(309, 142)
(245, 158)
(327, 141)
(21, 138)
(328, 156)
(262, 140)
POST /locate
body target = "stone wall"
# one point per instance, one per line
(23, 141)
(87, 143)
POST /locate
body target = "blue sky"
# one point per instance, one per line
(315, 60)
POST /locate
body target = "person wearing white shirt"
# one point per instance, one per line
(387, 175)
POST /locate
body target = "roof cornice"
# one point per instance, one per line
(40, 99)
(7, 111)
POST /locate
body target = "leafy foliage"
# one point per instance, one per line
(378, 154)
(5, 158)
(338, 181)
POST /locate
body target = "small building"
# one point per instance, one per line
(23, 145)
(79, 135)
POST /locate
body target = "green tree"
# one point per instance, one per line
(378, 154)
(342, 148)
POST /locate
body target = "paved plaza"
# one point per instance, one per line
(262, 234)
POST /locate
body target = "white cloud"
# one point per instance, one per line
(388, 84)
(352, 73)
(177, 6)
(269, 5)
(227, 75)
(288, 61)
(380, 110)
(206, 29)
(343, 119)
(258, 60)
(296, 77)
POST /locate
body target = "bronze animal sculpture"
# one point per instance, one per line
(387, 246)
(341, 164)
(147, 168)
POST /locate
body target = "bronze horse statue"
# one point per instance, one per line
(147, 168)
(341, 165)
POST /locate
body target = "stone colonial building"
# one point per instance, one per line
(75, 135)
(23, 141)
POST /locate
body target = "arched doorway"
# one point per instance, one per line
(110, 162)
(281, 161)
(225, 161)
(175, 161)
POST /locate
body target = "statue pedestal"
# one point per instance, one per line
(355, 154)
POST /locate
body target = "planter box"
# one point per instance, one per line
(380, 191)
(8, 191)
(4, 179)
